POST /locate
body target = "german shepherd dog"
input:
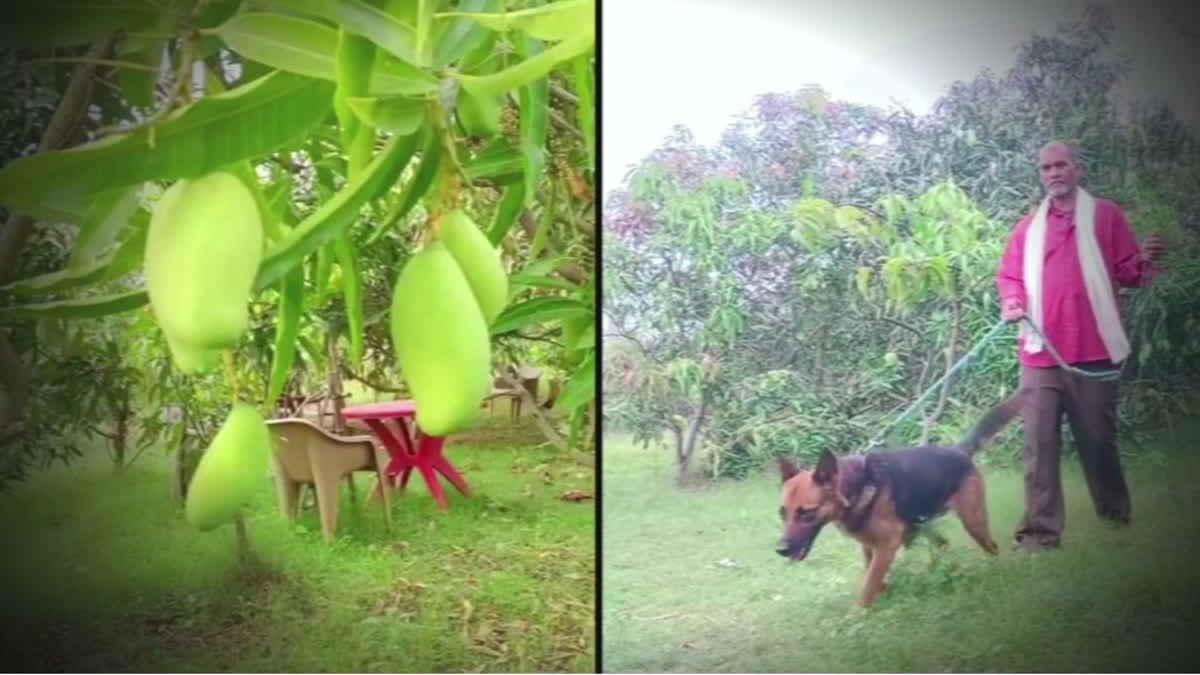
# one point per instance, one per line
(881, 498)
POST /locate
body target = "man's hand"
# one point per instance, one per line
(1011, 310)
(1153, 247)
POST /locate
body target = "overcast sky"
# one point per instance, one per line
(698, 62)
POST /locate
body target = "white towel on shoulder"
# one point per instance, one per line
(1095, 277)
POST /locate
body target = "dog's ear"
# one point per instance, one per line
(787, 469)
(826, 470)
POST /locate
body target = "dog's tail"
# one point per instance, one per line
(992, 423)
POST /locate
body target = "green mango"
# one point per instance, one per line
(480, 115)
(479, 261)
(231, 469)
(441, 339)
(191, 360)
(202, 253)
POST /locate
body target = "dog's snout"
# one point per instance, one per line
(783, 548)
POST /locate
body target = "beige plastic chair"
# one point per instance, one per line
(306, 454)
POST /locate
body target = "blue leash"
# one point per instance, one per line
(1103, 375)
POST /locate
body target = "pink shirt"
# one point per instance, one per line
(1067, 318)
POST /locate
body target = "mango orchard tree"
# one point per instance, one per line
(858, 257)
(389, 187)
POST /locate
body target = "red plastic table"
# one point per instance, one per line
(408, 447)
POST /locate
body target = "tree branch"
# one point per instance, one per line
(374, 384)
(511, 380)
(571, 271)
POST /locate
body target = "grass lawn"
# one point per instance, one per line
(101, 573)
(692, 582)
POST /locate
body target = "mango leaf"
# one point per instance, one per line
(499, 162)
(535, 116)
(68, 23)
(431, 158)
(115, 265)
(108, 214)
(248, 121)
(540, 268)
(581, 388)
(551, 22)
(456, 37)
(385, 30)
(527, 70)
(291, 305)
(132, 251)
(585, 108)
(423, 34)
(138, 86)
(328, 221)
(309, 48)
(537, 310)
(506, 213)
(861, 280)
(85, 308)
(347, 259)
(516, 284)
(395, 114)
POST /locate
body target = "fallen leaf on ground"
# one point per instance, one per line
(575, 496)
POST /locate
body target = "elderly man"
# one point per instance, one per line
(1062, 268)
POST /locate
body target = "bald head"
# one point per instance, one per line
(1059, 169)
(1060, 147)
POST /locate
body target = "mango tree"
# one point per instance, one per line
(247, 151)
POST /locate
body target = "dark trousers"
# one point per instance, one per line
(1091, 409)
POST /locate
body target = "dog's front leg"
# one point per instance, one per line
(883, 586)
(880, 562)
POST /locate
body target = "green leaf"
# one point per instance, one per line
(585, 108)
(581, 388)
(431, 157)
(527, 70)
(324, 267)
(499, 161)
(862, 279)
(347, 258)
(395, 114)
(132, 251)
(551, 22)
(67, 23)
(456, 37)
(137, 86)
(309, 48)
(386, 31)
(108, 214)
(355, 60)
(291, 305)
(543, 267)
(249, 121)
(506, 213)
(85, 308)
(537, 310)
(423, 42)
(117, 264)
(520, 282)
(535, 120)
(328, 221)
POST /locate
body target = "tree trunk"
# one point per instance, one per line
(943, 395)
(180, 474)
(335, 387)
(121, 436)
(685, 445)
